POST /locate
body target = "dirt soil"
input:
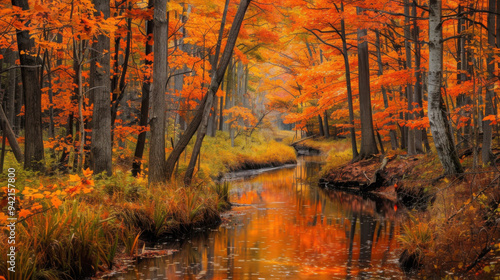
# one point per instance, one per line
(367, 175)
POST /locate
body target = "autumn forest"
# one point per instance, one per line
(203, 134)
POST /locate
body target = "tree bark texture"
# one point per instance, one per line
(32, 94)
(368, 144)
(146, 88)
(157, 101)
(100, 85)
(439, 124)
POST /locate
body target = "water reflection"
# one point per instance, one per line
(287, 228)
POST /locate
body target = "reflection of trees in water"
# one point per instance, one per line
(311, 228)
(367, 227)
(306, 170)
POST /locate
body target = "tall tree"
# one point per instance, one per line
(30, 74)
(348, 85)
(368, 144)
(409, 88)
(439, 124)
(157, 100)
(146, 88)
(100, 86)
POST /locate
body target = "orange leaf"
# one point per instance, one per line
(24, 213)
(74, 178)
(56, 202)
(87, 172)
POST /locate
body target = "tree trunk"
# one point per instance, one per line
(118, 89)
(325, 123)
(392, 132)
(50, 93)
(33, 149)
(368, 144)
(146, 88)
(348, 86)
(409, 88)
(417, 97)
(11, 115)
(221, 108)
(439, 124)
(320, 124)
(100, 86)
(204, 108)
(9, 133)
(212, 124)
(486, 153)
(214, 62)
(157, 102)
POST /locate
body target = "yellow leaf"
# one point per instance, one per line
(487, 269)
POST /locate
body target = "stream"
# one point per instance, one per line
(285, 227)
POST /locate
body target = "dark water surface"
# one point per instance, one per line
(288, 228)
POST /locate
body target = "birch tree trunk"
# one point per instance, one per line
(439, 124)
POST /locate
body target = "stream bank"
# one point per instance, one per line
(453, 226)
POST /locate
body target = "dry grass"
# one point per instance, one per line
(458, 234)
(86, 233)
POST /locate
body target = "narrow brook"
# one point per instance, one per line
(286, 227)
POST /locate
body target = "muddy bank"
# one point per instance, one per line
(369, 175)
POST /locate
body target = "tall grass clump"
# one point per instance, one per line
(66, 243)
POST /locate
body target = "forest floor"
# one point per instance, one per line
(452, 226)
(81, 225)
